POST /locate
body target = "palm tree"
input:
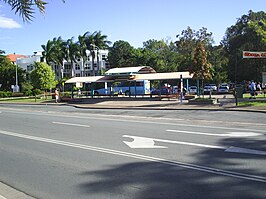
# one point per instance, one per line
(54, 52)
(82, 49)
(2, 52)
(72, 53)
(95, 41)
(26, 8)
(101, 42)
(89, 41)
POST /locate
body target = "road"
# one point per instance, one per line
(63, 152)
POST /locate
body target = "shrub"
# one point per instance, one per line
(27, 88)
(17, 94)
(36, 91)
(4, 94)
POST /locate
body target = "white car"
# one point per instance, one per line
(223, 89)
(192, 90)
(213, 87)
(225, 85)
(207, 89)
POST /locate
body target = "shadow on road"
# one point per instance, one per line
(142, 180)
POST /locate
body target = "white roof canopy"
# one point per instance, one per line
(162, 76)
(88, 79)
(130, 70)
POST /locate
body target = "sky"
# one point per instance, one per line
(134, 21)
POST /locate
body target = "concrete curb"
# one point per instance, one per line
(8, 192)
(150, 106)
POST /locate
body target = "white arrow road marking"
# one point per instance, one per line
(141, 157)
(144, 142)
(70, 124)
(229, 134)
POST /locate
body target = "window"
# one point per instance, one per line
(77, 67)
(87, 67)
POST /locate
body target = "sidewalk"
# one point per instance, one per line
(226, 104)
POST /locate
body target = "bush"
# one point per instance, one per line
(17, 94)
(36, 91)
(4, 94)
(27, 88)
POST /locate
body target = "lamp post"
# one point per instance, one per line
(16, 89)
(97, 48)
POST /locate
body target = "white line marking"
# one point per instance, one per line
(70, 124)
(2, 197)
(142, 157)
(229, 134)
(144, 142)
(54, 114)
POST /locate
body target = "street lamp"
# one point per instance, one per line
(16, 88)
(97, 48)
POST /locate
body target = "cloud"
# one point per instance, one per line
(8, 23)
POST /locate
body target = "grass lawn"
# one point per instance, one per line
(259, 103)
(247, 95)
(30, 100)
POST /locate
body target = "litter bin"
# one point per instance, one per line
(239, 92)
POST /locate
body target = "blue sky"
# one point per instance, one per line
(134, 21)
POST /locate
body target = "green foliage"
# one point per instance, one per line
(186, 45)
(36, 91)
(8, 73)
(4, 94)
(26, 9)
(201, 67)
(42, 77)
(121, 54)
(27, 88)
(247, 34)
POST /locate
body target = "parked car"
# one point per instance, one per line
(223, 89)
(207, 89)
(192, 90)
(224, 85)
(162, 91)
(213, 87)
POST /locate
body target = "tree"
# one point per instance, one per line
(246, 34)
(72, 52)
(121, 54)
(201, 67)
(94, 42)
(160, 55)
(26, 8)
(43, 77)
(219, 60)
(82, 49)
(8, 73)
(55, 51)
(187, 42)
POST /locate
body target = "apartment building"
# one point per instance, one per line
(80, 68)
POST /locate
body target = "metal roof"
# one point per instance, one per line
(130, 70)
(162, 76)
(134, 77)
(89, 79)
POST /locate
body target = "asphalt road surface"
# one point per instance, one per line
(63, 152)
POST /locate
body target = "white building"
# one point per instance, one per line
(77, 70)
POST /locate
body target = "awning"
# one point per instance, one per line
(89, 79)
(130, 70)
(162, 76)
